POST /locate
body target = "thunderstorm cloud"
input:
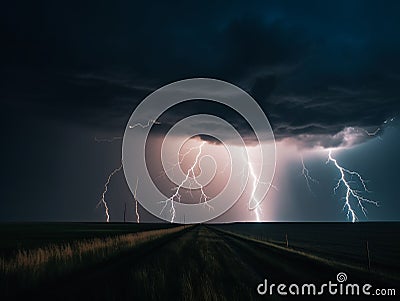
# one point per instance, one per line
(316, 69)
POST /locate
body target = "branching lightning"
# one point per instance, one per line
(351, 192)
(351, 180)
(255, 182)
(112, 139)
(306, 174)
(190, 177)
(103, 195)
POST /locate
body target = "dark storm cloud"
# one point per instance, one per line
(70, 72)
(189, 108)
(329, 111)
(315, 68)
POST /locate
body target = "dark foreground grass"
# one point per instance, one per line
(17, 236)
(197, 265)
(28, 268)
(210, 263)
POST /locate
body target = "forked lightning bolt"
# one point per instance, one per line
(255, 182)
(257, 209)
(189, 174)
(102, 199)
(306, 174)
(103, 195)
(351, 192)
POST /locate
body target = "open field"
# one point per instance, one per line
(342, 242)
(16, 236)
(216, 262)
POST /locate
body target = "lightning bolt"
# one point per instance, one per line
(255, 182)
(103, 195)
(136, 202)
(379, 129)
(189, 174)
(351, 192)
(258, 209)
(143, 126)
(306, 174)
(112, 139)
(374, 133)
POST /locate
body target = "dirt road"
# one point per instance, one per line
(202, 263)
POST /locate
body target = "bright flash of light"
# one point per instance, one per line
(351, 191)
(306, 174)
(103, 195)
(190, 177)
(255, 181)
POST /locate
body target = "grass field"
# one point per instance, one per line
(341, 242)
(16, 236)
(166, 262)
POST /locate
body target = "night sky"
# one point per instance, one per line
(324, 72)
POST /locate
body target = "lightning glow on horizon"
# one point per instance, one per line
(103, 195)
(349, 180)
(257, 209)
(351, 192)
(189, 174)
(255, 182)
